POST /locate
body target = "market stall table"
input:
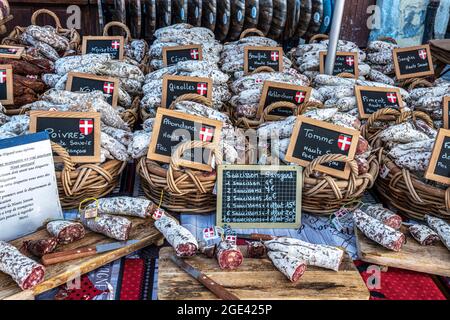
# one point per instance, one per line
(56, 275)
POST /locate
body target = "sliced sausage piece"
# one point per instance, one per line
(66, 231)
(111, 226)
(379, 232)
(40, 247)
(26, 272)
(228, 255)
(290, 266)
(423, 234)
(384, 215)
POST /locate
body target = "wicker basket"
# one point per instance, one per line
(74, 38)
(144, 65)
(398, 187)
(325, 194)
(318, 37)
(177, 189)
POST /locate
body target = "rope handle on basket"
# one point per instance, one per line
(247, 123)
(319, 36)
(312, 166)
(413, 83)
(50, 13)
(379, 115)
(345, 75)
(262, 69)
(194, 97)
(404, 116)
(120, 25)
(296, 110)
(69, 166)
(249, 31)
(175, 164)
(388, 39)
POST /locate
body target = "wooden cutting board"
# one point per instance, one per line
(413, 256)
(258, 279)
(56, 275)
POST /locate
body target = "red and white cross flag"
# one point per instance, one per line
(344, 142)
(157, 214)
(3, 76)
(115, 44)
(350, 60)
(231, 238)
(423, 54)
(209, 233)
(206, 134)
(194, 54)
(108, 87)
(274, 55)
(202, 88)
(299, 97)
(392, 97)
(86, 126)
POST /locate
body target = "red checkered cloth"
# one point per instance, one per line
(400, 284)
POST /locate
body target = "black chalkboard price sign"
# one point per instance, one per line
(173, 55)
(6, 84)
(439, 167)
(85, 82)
(114, 45)
(277, 91)
(172, 128)
(11, 52)
(312, 139)
(256, 57)
(445, 112)
(413, 62)
(78, 132)
(175, 86)
(372, 99)
(253, 196)
(345, 62)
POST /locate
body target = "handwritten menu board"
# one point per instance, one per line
(277, 91)
(253, 196)
(413, 62)
(114, 45)
(11, 52)
(175, 86)
(439, 167)
(445, 112)
(171, 128)
(173, 55)
(77, 132)
(372, 99)
(6, 84)
(346, 62)
(255, 57)
(85, 82)
(312, 139)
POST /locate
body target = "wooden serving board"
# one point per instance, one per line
(56, 275)
(429, 259)
(258, 279)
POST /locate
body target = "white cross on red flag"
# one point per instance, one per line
(157, 214)
(3, 76)
(344, 142)
(206, 134)
(108, 87)
(194, 54)
(86, 126)
(392, 97)
(231, 238)
(423, 54)
(209, 233)
(299, 97)
(349, 61)
(274, 56)
(115, 44)
(202, 89)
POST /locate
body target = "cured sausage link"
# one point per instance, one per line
(423, 234)
(126, 206)
(290, 266)
(26, 272)
(66, 231)
(111, 226)
(180, 238)
(441, 227)
(318, 255)
(228, 255)
(377, 231)
(40, 247)
(384, 215)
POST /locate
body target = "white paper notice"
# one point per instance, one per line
(28, 188)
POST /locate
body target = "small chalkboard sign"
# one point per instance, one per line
(276, 91)
(77, 132)
(313, 138)
(171, 128)
(254, 196)
(372, 99)
(345, 62)
(439, 167)
(413, 62)
(11, 52)
(445, 112)
(255, 57)
(6, 84)
(173, 55)
(175, 86)
(85, 82)
(114, 45)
